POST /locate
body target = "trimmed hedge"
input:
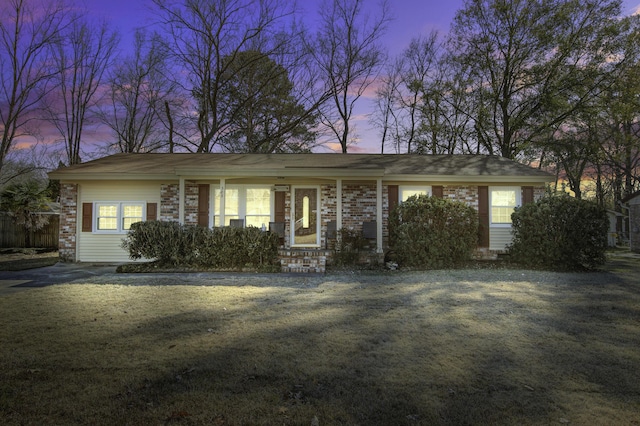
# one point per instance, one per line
(432, 232)
(561, 233)
(172, 244)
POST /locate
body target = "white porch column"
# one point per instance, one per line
(338, 204)
(222, 202)
(181, 201)
(379, 216)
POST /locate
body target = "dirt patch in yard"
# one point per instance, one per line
(456, 347)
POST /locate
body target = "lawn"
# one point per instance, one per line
(405, 348)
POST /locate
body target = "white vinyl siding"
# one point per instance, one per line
(105, 247)
(500, 238)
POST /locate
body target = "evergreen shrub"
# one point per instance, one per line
(431, 232)
(172, 244)
(559, 232)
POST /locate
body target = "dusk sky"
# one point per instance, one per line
(411, 19)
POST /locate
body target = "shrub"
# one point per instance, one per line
(432, 232)
(172, 244)
(559, 232)
(346, 251)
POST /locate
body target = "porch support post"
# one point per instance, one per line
(338, 204)
(222, 202)
(379, 216)
(181, 201)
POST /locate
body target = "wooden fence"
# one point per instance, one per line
(12, 236)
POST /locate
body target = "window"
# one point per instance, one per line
(404, 192)
(503, 201)
(117, 217)
(251, 203)
(258, 207)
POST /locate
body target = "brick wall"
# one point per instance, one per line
(68, 221)
(191, 203)
(465, 193)
(358, 205)
(327, 210)
(169, 202)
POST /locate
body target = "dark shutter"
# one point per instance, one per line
(483, 216)
(278, 214)
(152, 211)
(392, 191)
(203, 205)
(437, 191)
(87, 217)
(527, 195)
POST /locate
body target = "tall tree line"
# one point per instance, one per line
(552, 83)
(205, 76)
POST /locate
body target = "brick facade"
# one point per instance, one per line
(169, 202)
(68, 222)
(465, 193)
(191, 203)
(358, 205)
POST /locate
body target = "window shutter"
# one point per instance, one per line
(203, 205)
(392, 191)
(437, 191)
(527, 195)
(483, 216)
(87, 217)
(278, 214)
(152, 211)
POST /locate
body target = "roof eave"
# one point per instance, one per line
(470, 178)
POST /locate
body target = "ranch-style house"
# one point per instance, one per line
(305, 198)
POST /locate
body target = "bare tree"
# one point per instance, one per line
(81, 58)
(206, 36)
(386, 115)
(28, 28)
(349, 55)
(139, 97)
(528, 60)
(420, 65)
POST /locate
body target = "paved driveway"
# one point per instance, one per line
(13, 281)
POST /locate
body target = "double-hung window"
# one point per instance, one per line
(253, 204)
(503, 202)
(117, 217)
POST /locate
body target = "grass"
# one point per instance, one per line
(434, 348)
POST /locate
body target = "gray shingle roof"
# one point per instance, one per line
(158, 165)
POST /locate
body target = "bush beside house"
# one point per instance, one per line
(433, 232)
(170, 244)
(560, 232)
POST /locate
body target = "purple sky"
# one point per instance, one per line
(411, 19)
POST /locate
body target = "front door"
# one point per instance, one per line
(306, 220)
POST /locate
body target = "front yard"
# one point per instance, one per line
(488, 346)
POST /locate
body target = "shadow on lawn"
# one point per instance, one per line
(453, 354)
(444, 347)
